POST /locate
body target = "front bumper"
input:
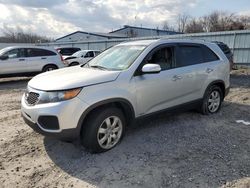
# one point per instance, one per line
(68, 114)
(67, 134)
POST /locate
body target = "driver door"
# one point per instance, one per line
(155, 92)
(15, 63)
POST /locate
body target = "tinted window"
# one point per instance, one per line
(224, 48)
(189, 55)
(35, 52)
(209, 55)
(163, 57)
(89, 54)
(68, 51)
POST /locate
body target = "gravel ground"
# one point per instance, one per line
(169, 150)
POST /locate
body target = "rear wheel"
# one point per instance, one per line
(212, 100)
(49, 68)
(103, 130)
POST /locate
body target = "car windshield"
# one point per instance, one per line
(117, 58)
(79, 53)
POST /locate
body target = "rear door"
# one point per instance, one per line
(37, 58)
(194, 64)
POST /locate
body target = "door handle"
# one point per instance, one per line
(43, 57)
(21, 59)
(209, 70)
(176, 77)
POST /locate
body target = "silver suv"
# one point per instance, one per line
(96, 101)
(28, 60)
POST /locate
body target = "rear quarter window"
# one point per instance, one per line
(209, 55)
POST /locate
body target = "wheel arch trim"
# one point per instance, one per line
(103, 103)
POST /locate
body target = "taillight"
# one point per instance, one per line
(61, 57)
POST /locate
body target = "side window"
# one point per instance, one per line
(189, 55)
(12, 54)
(15, 53)
(65, 51)
(209, 55)
(97, 53)
(35, 52)
(163, 57)
(89, 54)
(47, 52)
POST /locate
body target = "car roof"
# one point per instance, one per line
(67, 47)
(88, 50)
(38, 47)
(162, 41)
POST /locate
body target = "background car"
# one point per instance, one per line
(224, 47)
(67, 51)
(21, 61)
(81, 57)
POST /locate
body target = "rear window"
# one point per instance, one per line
(68, 51)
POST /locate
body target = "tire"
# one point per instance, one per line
(49, 68)
(73, 64)
(98, 134)
(212, 100)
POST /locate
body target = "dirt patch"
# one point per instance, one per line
(168, 150)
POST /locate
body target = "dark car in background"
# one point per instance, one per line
(67, 51)
(224, 47)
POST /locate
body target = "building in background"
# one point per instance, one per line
(88, 36)
(125, 32)
(132, 31)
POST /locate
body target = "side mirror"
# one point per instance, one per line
(4, 57)
(151, 68)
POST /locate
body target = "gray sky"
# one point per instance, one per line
(55, 18)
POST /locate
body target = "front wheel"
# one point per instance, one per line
(212, 100)
(103, 130)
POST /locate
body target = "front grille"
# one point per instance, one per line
(32, 98)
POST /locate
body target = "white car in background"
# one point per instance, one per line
(28, 60)
(81, 57)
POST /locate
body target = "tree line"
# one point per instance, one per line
(215, 21)
(10, 35)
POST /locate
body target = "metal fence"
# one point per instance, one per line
(238, 41)
(4, 45)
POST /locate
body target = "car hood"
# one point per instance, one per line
(71, 77)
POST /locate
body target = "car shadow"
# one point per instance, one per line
(242, 80)
(181, 149)
(13, 83)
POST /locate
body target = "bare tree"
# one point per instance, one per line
(194, 26)
(17, 35)
(182, 21)
(166, 26)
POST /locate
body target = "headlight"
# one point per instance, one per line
(56, 96)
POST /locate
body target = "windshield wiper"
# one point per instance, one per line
(99, 67)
